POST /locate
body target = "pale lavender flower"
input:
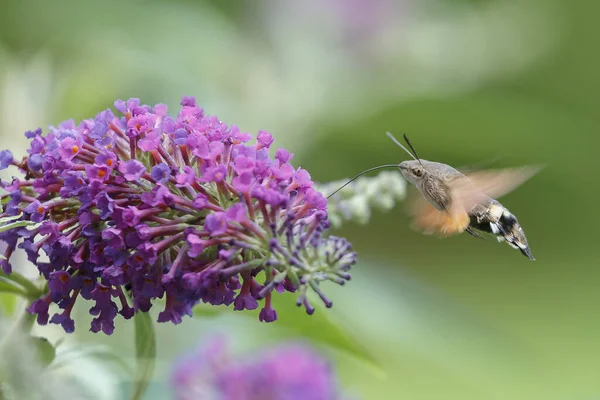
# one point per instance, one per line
(285, 372)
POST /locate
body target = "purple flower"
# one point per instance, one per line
(161, 173)
(283, 155)
(216, 223)
(36, 211)
(40, 307)
(126, 107)
(159, 196)
(64, 319)
(132, 170)
(160, 110)
(151, 141)
(244, 164)
(100, 127)
(70, 147)
(215, 174)
(267, 314)
(209, 150)
(97, 173)
(107, 159)
(243, 182)
(237, 213)
(186, 177)
(196, 245)
(59, 285)
(234, 226)
(180, 136)
(285, 372)
(34, 163)
(188, 101)
(283, 172)
(105, 205)
(105, 310)
(33, 134)
(6, 159)
(245, 300)
(264, 139)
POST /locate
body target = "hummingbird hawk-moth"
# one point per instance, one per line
(451, 202)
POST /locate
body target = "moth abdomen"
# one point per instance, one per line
(497, 220)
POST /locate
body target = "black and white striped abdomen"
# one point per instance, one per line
(494, 218)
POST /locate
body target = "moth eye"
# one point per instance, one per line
(417, 172)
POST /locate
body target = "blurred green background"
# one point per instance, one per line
(488, 82)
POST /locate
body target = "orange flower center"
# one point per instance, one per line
(75, 149)
(101, 173)
(40, 209)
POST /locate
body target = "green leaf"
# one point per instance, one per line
(101, 353)
(145, 353)
(46, 352)
(322, 327)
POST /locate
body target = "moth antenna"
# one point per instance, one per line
(401, 145)
(411, 147)
(362, 173)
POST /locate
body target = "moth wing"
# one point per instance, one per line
(466, 194)
(429, 220)
(478, 166)
(497, 183)
(466, 191)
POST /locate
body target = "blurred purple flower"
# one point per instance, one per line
(286, 372)
(147, 206)
(6, 159)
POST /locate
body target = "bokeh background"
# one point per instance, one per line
(487, 82)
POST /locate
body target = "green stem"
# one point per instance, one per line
(27, 320)
(145, 349)
(32, 291)
(18, 224)
(10, 287)
(23, 323)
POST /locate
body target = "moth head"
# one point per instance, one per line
(412, 171)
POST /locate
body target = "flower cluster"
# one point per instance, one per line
(143, 206)
(355, 201)
(290, 372)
